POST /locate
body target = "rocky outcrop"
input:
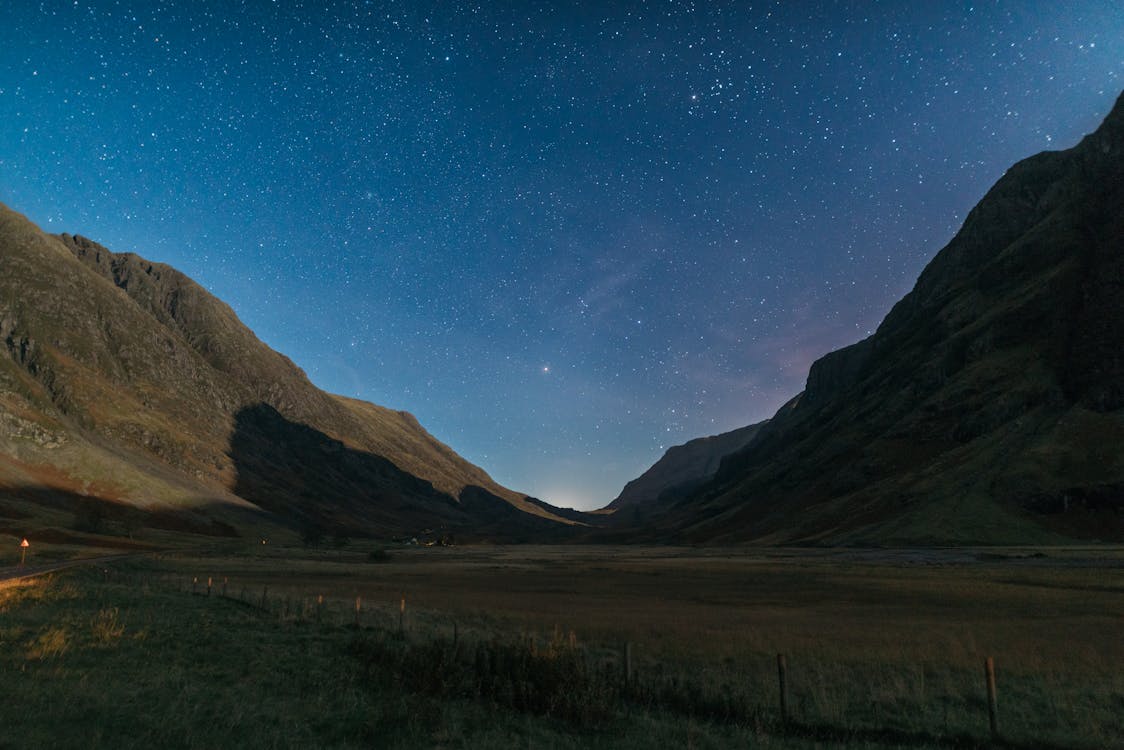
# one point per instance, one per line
(681, 469)
(837, 371)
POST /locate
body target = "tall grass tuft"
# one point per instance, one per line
(106, 626)
(49, 644)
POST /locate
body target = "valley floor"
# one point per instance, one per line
(529, 647)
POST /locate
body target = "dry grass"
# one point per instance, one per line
(714, 605)
(875, 641)
(884, 650)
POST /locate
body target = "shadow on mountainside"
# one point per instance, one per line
(59, 516)
(312, 480)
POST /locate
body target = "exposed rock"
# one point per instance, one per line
(24, 429)
(681, 469)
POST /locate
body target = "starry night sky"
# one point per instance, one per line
(565, 235)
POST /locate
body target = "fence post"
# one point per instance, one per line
(208, 585)
(992, 703)
(319, 608)
(402, 615)
(194, 585)
(627, 662)
(358, 604)
(782, 680)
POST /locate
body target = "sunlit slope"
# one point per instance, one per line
(126, 377)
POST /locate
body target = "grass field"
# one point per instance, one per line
(883, 649)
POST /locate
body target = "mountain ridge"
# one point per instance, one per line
(983, 408)
(126, 379)
(680, 470)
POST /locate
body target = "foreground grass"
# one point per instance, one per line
(125, 658)
(105, 660)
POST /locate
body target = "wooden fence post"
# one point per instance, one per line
(208, 585)
(992, 703)
(194, 584)
(358, 604)
(782, 680)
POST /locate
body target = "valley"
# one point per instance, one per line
(884, 648)
(813, 262)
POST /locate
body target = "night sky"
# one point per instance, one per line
(565, 235)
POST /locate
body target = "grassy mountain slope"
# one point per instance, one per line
(989, 404)
(124, 379)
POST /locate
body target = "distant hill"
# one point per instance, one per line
(680, 470)
(123, 380)
(989, 405)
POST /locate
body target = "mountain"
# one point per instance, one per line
(124, 380)
(988, 407)
(680, 470)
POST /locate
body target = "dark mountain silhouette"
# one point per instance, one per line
(989, 404)
(681, 470)
(124, 380)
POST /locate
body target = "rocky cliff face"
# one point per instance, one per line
(124, 379)
(988, 405)
(679, 471)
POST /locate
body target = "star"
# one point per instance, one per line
(456, 228)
